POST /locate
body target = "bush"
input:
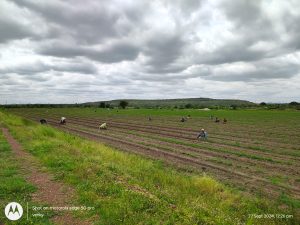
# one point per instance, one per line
(294, 103)
(123, 104)
(102, 105)
(188, 106)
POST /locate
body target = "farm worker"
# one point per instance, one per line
(202, 134)
(103, 126)
(63, 120)
(217, 120)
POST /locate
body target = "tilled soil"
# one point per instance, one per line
(249, 172)
(231, 129)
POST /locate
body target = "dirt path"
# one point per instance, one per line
(49, 191)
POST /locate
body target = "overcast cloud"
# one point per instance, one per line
(75, 51)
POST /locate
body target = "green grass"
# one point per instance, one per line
(245, 116)
(129, 189)
(13, 186)
(289, 201)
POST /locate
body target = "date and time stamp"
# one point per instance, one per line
(270, 216)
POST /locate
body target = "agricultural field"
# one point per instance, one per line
(255, 153)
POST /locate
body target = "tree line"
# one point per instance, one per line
(124, 104)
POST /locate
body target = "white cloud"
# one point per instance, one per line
(70, 51)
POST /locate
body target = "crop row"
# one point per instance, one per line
(180, 150)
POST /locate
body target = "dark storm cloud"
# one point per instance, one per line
(40, 67)
(114, 53)
(250, 20)
(87, 22)
(162, 51)
(293, 29)
(263, 73)
(232, 52)
(11, 30)
(245, 13)
(265, 70)
(253, 27)
(185, 7)
(250, 26)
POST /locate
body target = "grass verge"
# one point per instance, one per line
(13, 186)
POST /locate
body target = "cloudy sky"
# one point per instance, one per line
(75, 51)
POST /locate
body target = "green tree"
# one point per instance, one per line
(234, 107)
(123, 104)
(294, 103)
(188, 106)
(102, 105)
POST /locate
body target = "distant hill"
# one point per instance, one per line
(180, 103)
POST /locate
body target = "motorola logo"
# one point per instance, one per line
(13, 211)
